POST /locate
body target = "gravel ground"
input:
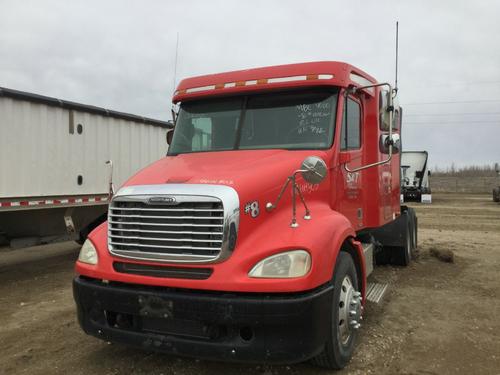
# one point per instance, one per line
(437, 318)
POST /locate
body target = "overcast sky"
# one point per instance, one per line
(121, 55)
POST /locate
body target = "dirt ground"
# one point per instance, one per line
(437, 318)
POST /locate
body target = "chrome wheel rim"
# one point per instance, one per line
(349, 310)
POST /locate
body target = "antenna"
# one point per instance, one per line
(397, 45)
(172, 110)
(175, 64)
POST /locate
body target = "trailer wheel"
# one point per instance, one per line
(345, 315)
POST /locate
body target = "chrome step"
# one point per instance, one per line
(368, 249)
(375, 292)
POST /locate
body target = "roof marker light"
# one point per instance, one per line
(197, 89)
(260, 81)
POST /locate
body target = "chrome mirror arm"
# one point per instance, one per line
(270, 206)
(295, 190)
(313, 170)
(390, 108)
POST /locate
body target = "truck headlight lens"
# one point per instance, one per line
(88, 253)
(295, 263)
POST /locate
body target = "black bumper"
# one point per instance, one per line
(236, 327)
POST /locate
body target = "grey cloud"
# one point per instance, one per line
(120, 55)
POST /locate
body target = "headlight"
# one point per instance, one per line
(88, 253)
(295, 263)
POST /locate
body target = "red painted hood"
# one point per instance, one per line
(251, 172)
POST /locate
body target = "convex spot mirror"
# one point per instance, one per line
(313, 169)
(384, 143)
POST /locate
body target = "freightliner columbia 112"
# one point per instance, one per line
(252, 240)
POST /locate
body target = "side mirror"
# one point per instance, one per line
(384, 143)
(384, 110)
(170, 134)
(313, 169)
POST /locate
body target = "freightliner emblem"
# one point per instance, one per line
(162, 200)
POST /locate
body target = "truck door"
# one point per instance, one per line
(350, 199)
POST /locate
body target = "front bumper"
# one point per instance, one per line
(236, 327)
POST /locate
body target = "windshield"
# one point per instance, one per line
(291, 120)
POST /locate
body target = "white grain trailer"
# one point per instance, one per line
(415, 177)
(54, 180)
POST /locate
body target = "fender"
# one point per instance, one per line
(342, 234)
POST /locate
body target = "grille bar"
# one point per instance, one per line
(164, 246)
(157, 256)
(167, 224)
(165, 239)
(170, 217)
(168, 231)
(166, 209)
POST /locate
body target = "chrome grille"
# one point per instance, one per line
(192, 230)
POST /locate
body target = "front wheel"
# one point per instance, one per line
(345, 316)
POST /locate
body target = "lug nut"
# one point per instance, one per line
(353, 323)
(352, 313)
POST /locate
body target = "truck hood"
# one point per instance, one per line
(251, 173)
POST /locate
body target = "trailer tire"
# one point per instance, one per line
(339, 347)
(89, 228)
(496, 194)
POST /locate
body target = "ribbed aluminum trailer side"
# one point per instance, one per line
(53, 171)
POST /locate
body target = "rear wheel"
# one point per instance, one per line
(413, 230)
(403, 253)
(345, 315)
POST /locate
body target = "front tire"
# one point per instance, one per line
(345, 315)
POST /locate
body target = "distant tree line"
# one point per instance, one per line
(466, 171)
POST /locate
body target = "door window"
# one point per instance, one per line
(351, 126)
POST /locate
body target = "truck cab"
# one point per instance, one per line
(252, 240)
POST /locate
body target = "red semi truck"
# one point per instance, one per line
(252, 240)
